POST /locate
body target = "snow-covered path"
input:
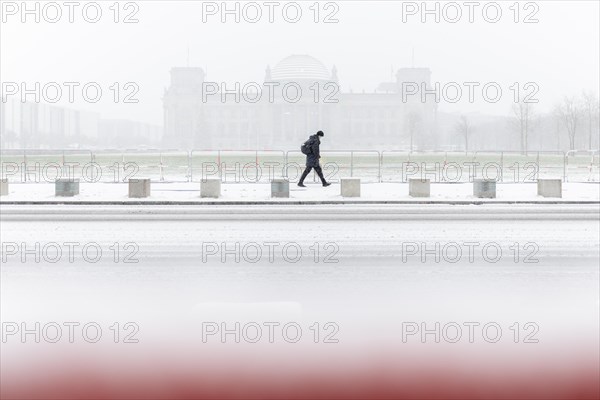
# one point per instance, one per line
(247, 252)
(261, 192)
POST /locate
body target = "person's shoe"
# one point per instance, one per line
(301, 184)
(326, 184)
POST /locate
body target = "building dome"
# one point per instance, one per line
(300, 67)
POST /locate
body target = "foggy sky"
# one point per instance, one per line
(560, 53)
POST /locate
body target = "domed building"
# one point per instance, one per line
(300, 67)
(296, 98)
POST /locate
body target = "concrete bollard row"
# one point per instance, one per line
(549, 188)
(280, 188)
(419, 187)
(139, 188)
(484, 188)
(66, 187)
(210, 188)
(350, 187)
(4, 187)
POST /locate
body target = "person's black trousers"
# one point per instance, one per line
(318, 170)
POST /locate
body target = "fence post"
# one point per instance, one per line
(160, 166)
(379, 166)
(219, 165)
(381, 161)
(565, 161)
(351, 163)
(190, 169)
(502, 166)
(25, 162)
(123, 165)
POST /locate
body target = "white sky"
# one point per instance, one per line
(560, 53)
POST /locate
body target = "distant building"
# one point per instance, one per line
(197, 117)
(46, 126)
(38, 125)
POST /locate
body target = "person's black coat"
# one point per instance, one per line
(312, 159)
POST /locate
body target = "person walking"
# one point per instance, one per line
(313, 154)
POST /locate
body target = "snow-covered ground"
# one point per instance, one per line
(190, 192)
(361, 272)
(351, 267)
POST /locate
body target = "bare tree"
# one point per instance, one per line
(570, 111)
(523, 114)
(591, 108)
(463, 127)
(557, 117)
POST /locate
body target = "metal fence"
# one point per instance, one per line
(234, 166)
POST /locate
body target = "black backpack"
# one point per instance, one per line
(306, 147)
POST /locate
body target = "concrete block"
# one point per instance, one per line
(419, 187)
(210, 188)
(139, 188)
(280, 188)
(66, 187)
(484, 188)
(4, 187)
(350, 187)
(549, 188)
